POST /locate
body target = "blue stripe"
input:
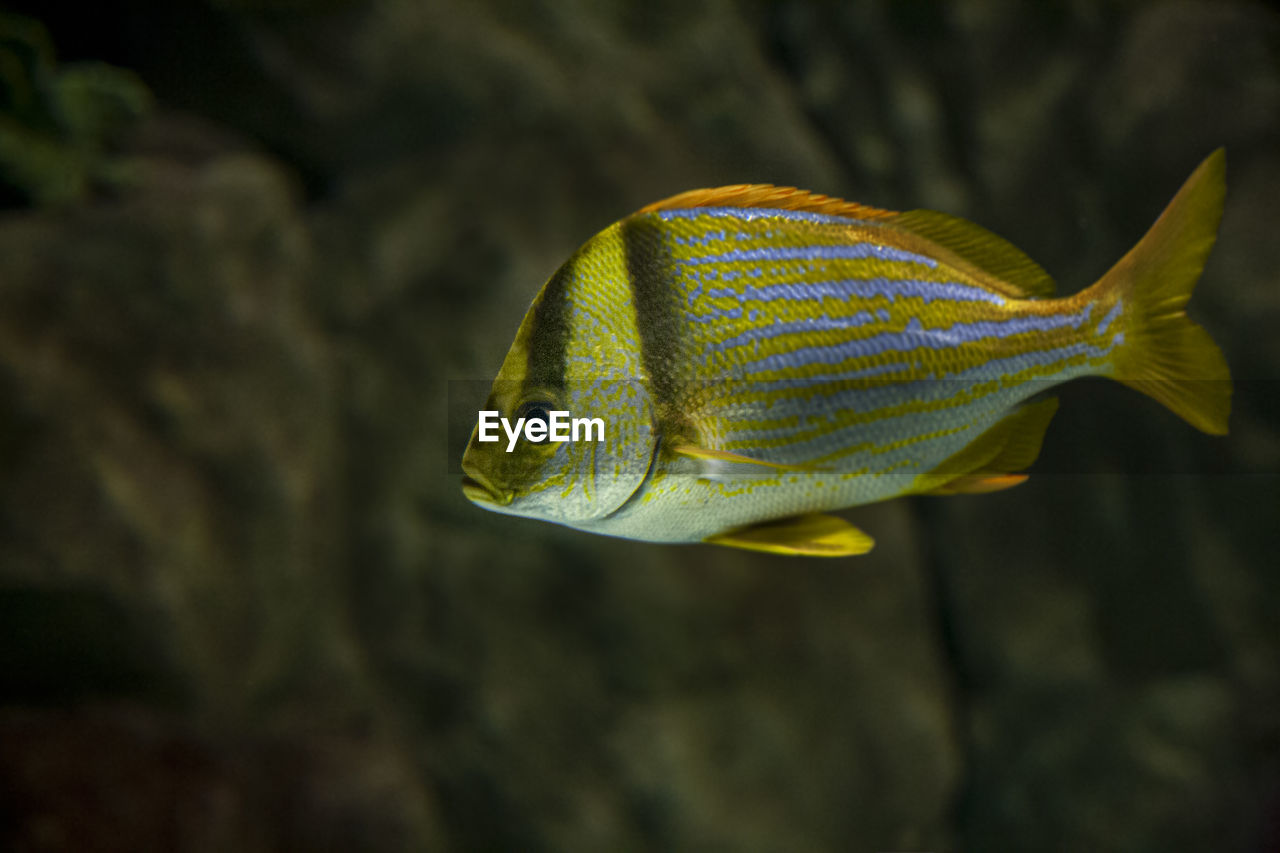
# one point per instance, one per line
(813, 407)
(704, 239)
(844, 251)
(1111, 315)
(865, 288)
(772, 330)
(812, 410)
(749, 214)
(915, 337)
(719, 314)
(1013, 364)
(995, 368)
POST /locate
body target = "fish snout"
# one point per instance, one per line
(480, 489)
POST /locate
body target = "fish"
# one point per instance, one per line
(761, 356)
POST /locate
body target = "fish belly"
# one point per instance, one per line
(682, 504)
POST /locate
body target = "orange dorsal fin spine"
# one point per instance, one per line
(767, 195)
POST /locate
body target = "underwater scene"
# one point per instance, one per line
(568, 426)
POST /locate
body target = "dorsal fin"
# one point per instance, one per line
(986, 251)
(1011, 271)
(767, 195)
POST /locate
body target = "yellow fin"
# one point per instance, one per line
(811, 535)
(767, 195)
(1013, 272)
(985, 464)
(1165, 355)
(978, 484)
(693, 451)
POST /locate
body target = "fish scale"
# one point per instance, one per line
(878, 301)
(762, 355)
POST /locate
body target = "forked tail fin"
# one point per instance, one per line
(1164, 354)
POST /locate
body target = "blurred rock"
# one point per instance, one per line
(170, 461)
(1111, 769)
(108, 778)
(176, 432)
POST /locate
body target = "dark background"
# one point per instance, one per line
(244, 605)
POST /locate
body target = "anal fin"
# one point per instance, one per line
(987, 463)
(809, 535)
(978, 484)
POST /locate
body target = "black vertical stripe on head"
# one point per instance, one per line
(658, 318)
(548, 340)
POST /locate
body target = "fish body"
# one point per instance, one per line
(763, 355)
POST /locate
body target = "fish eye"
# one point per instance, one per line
(536, 410)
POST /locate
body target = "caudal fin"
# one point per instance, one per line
(1164, 354)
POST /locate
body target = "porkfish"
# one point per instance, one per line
(760, 356)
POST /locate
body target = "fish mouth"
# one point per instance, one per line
(480, 489)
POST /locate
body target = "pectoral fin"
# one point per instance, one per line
(811, 535)
(693, 451)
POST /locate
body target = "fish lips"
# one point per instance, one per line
(480, 489)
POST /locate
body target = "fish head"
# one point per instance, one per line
(576, 357)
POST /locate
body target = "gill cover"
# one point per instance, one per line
(578, 351)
